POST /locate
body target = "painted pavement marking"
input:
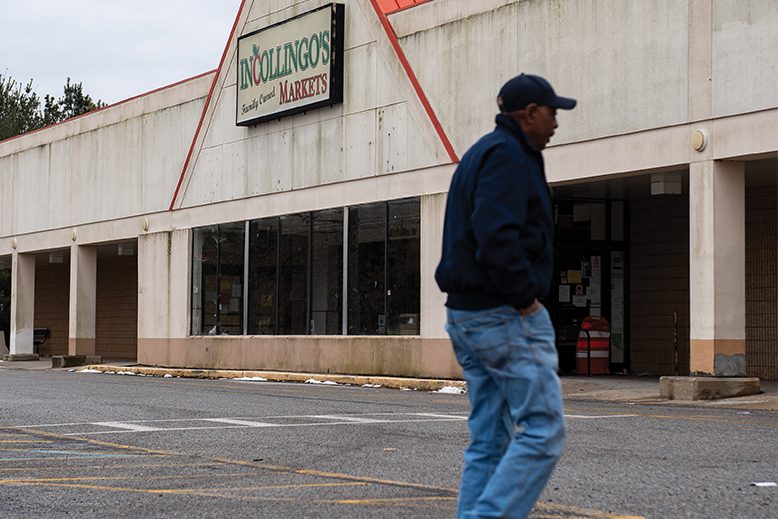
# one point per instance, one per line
(346, 418)
(600, 417)
(129, 426)
(136, 426)
(246, 423)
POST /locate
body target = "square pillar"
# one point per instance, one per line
(717, 268)
(22, 304)
(83, 300)
(164, 263)
(433, 301)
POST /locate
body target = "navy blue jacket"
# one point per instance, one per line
(498, 233)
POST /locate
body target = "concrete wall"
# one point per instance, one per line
(625, 62)
(409, 356)
(745, 44)
(120, 161)
(380, 127)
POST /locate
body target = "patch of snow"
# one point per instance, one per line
(764, 484)
(132, 373)
(89, 371)
(109, 372)
(451, 390)
(168, 375)
(250, 379)
(405, 389)
(326, 382)
(371, 385)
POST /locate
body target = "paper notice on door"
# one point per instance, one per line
(564, 293)
(579, 301)
(593, 293)
(573, 276)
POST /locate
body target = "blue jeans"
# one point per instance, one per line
(517, 426)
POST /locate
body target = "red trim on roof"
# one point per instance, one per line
(198, 76)
(205, 108)
(414, 81)
(394, 6)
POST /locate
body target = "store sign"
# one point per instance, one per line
(292, 66)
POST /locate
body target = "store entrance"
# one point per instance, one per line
(589, 277)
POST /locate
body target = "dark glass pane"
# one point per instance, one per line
(403, 292)
(5, 301)
(263, 265)
(204, 280)
(366, 238)
(293, 275)
(231, 240)
(327, 273)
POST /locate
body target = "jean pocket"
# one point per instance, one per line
(538, 324)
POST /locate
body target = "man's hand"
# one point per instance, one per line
(531, 309)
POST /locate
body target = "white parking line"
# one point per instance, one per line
(597, 417)
(137, 426)
(346, 418)
(245, 423)
(127, 426)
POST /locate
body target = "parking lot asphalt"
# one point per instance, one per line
(602, 388)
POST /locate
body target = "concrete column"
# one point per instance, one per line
(717, 268)
(433, 311)
(22, 303)
(164, 264)
(83, 300)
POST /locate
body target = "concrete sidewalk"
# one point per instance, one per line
(612, 388)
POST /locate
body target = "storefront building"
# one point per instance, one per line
(285, 210)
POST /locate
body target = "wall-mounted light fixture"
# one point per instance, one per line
(699, 139)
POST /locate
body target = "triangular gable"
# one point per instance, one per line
(384, 125)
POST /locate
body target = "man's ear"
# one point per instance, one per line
(530, 109)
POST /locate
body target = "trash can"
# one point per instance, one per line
(593, 351)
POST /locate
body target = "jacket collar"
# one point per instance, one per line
(504, 121)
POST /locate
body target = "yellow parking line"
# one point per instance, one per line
(26, 441)
(543, 507)
(112, 478)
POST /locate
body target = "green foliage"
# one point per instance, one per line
(21, 110)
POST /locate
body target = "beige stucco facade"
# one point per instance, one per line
(649, 77)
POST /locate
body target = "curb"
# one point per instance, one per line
(420, 384)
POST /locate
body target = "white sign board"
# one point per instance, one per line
(290, 67)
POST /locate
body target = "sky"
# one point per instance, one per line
(116, 48)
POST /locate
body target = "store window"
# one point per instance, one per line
(295, 273)
(293, 269)
(366, 269)
(217, 280)
(403, 268)
(327, 273)
(263, 276)
(5, 301)
(384, 274)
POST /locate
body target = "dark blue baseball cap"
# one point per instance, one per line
(524, 89)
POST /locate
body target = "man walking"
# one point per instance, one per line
(497, 261)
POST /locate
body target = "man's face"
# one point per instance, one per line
(539, 124)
